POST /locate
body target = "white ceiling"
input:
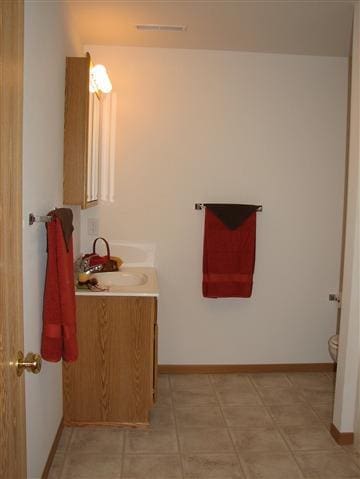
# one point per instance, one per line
(307, 27)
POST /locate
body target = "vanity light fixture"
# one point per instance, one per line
(99, 79)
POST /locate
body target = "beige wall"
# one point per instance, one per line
(47, 42)
(208, 126)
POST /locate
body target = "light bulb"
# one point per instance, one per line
(100, 78)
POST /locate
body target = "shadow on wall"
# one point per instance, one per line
(133, 254)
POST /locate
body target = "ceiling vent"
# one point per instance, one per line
(152, 27)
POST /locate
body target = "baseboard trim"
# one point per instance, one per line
(84, 424)
(342, 438)
(244, 368)
(52, 452)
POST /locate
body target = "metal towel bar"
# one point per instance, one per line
(200, 206)
(39, 219)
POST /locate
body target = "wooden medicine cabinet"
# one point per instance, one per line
(81, 135)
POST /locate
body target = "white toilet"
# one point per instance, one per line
(333, 347)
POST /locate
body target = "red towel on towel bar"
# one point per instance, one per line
(59, 312)
(229, 254)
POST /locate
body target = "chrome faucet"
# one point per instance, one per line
(84, 266)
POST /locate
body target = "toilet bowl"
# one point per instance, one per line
(333, 346)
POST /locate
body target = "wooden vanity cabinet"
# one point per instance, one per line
(113, 381)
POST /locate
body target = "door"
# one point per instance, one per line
(12, 405)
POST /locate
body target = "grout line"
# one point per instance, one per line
(176, 430)
(321, 419)
(293, 452)
(237, 454)
(276, 425)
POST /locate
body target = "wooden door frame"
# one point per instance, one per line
(12, 394)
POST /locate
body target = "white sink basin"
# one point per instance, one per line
(130, 281)
(119, 279)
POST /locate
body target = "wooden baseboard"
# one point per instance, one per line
(134, 425)
(53, 449)
(342, 438)
(244, 368)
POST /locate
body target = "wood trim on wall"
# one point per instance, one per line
(244, 368)
(342, 438)
(53, 449)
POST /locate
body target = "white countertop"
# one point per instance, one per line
(147, 276)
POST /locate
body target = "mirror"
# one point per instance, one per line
(93, 154)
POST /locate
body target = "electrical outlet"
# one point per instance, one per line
(93, 226)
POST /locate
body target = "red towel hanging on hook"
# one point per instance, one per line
(59, 311)
(229, 250)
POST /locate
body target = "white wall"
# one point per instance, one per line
(211, 126)
(47, 42)
(347, 377)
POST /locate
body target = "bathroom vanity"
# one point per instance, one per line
(113, 382)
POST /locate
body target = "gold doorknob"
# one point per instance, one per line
(32, 363)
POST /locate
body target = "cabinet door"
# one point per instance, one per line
(155, 350)
(112, 381)
(155, 366)
(81, 135)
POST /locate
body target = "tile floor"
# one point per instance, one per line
(219, 426)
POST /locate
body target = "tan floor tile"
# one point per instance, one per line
(163, 398)
(312, 380)
(324, 412)
(205, 440)
(163, 382)
(327, 465)
(247, 416)
(354, 451)
(194, 398)
(318, 396)
(293, 415)
(309, 438)
(239, 395)
(226, 380)
(270, 380)
(152, 467)
(260, 439)
(101, 440)
(91, 466)
(212, 466)
(162, 418)
(332, 376)
(151, 442)
(295, 406)
(239, 387)
(189, 381)
(65, 439)
(207, 416)
(275, 397)
(56, 466)
(356, 458)
(352, 448)
(270, 465)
